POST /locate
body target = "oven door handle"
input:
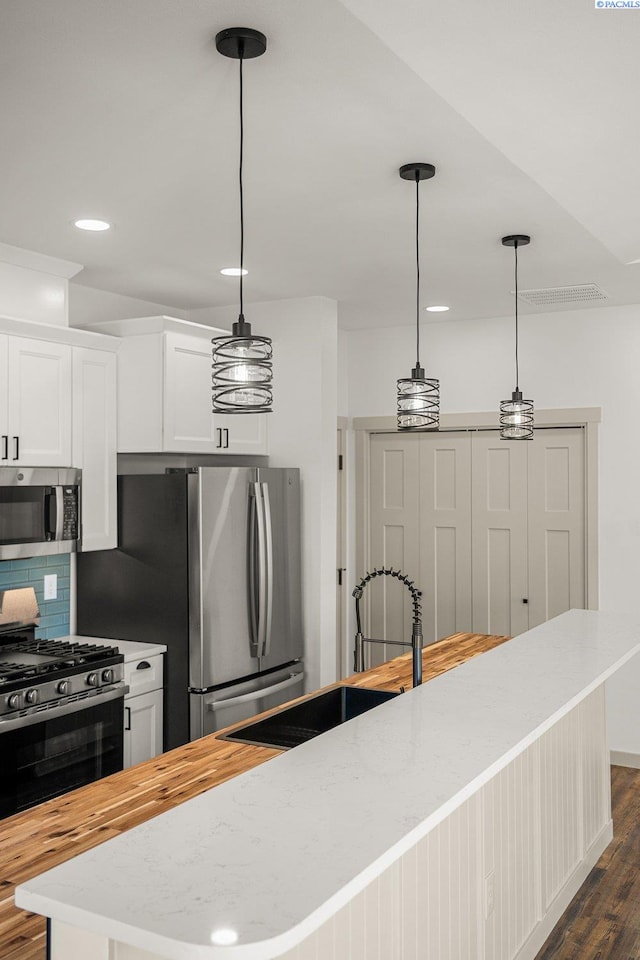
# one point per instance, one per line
(16, 723)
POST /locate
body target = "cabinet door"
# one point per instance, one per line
(4, 412)
(241, 433)
(94, 445)
(188, 420)
(39, 403)
(143, 727)
(499, 535)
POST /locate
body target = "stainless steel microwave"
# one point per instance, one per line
(39, 511)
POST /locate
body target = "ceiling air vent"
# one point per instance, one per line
(554, 296)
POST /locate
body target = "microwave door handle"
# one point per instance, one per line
(291, 681)
(268, 568)
(58, 530)
(252, 588)
(47, 524)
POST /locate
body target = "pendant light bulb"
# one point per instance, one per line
(516, 415)
(242, 362)
(418, 397)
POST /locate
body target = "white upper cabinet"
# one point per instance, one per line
(164, 392)
(94, 444)
(188, 420)
(36, 403)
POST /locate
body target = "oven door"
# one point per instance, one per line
(44, 756)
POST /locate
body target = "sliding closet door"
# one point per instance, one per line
(499, 535)
(445, 533)
(394, 540)
(556, 523)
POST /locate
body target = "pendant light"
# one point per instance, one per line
(242, 370)
(418, 397)
(516, 415)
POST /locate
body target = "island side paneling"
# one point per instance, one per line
(487, 883)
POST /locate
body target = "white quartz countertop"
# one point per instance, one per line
(275, 852)
(132, 649)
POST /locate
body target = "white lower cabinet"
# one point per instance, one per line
(143, 705)
(142, 727)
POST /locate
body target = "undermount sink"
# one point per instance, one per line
(303, 721)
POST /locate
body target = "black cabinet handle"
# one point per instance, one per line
(127, 710)
(17, 442)
(5, 446)
(226, 439)
(144, 665)
(219, 432)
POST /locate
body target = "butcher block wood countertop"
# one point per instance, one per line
(47, 835)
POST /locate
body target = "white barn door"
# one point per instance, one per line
(556, 523)
(445, 533)
(499, 534)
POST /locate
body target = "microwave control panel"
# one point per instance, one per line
(70, 513)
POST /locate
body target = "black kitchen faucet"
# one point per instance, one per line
(416, 634)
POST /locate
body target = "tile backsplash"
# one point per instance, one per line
(54, 614)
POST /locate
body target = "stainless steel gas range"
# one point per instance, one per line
(61, 716)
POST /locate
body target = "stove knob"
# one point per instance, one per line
(31, 697)
(14, 701)
(63, 687)
(107, 676)
(92, 680)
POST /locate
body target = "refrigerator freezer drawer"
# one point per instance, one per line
(222, 708)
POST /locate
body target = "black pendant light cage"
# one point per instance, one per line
(516, 414)
(418, 396)
(242, 370)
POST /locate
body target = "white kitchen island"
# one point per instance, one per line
(456, 821)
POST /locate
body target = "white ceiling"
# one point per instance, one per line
(124, 110)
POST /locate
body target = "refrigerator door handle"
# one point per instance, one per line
(251, 561)
(268, 569)
(262, 569)
(291, 681)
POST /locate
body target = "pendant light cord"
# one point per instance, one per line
(417, 270)
(241, 197)
(515, 247)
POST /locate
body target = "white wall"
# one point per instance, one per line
(88, 306)
(581, 358)
(302, 432)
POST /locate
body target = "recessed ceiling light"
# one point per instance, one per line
(437, 309)
(234, 272)
(224, 937)
(95, 225)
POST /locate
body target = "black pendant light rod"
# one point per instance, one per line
(417, 271)
(417, 172)
(240, 43)
(516, 240)
(515, 250)
(241, 318)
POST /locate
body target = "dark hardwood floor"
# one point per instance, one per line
(603, 920)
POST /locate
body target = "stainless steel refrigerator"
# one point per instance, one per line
(208, 563)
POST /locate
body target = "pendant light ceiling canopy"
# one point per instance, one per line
(242, 362)
(418, 397)
(516, 415)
